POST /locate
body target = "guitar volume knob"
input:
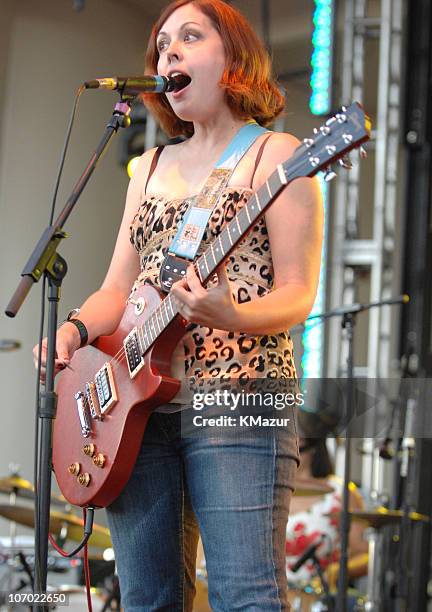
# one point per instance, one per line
(99, 460)
(89, 449)
(74, 468)
(84, 479)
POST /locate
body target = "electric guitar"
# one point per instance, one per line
(106, 399)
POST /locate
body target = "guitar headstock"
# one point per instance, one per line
(344, 131)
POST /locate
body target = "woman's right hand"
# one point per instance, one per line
(67, 342)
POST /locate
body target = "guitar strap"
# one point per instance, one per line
(188, 238)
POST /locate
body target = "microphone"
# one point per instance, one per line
(133, 86)
(309, 553)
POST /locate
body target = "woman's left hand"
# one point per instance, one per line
(213, 307)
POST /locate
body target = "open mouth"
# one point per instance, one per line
(180, 81)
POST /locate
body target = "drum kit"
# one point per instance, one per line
(17, 552)
(310, 597)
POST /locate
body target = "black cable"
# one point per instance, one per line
(88, 528)
(65, 147)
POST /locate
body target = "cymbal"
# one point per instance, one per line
(309, 487)
(381, 517)
(25, 516)
(9, 345)
(24, 488)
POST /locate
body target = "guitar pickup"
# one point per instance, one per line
(105, 390)
(134, 357)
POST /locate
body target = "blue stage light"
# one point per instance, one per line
(322, 57)
(320, 104)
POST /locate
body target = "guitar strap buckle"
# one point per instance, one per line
(173, 269)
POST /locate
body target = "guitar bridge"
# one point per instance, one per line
(83, 414)
(93, 401)
(105, 390)
(134, 356)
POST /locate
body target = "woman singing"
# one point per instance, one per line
(234, 488)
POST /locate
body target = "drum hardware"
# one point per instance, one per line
(310, 555)
(376, 520)
(100, 537)
(15, 485)
(63, 525)
(308, 487)
(306, 597)
(112, 595)
(9, 345)
(348, 316)
(380, 517)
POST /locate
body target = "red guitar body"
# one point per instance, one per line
(116, 437)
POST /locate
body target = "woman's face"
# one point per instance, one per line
(188, 43)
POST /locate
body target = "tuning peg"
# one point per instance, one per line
(363, 152)
(329, 175)
(331, 149)
(345, 162)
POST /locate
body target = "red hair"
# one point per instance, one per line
(250, 90)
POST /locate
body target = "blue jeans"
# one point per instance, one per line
(235, 488)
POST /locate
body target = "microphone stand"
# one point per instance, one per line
(327, 598)
(348, 314)
(348, 323)
(45, 260)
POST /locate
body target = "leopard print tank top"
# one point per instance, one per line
(205, 352)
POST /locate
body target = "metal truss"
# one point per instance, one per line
(352, 255)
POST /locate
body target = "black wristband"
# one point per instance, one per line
(82, 330)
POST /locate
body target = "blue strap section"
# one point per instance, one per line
(189, 235)
(239, 145)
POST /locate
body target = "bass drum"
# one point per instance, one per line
(201, 598)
